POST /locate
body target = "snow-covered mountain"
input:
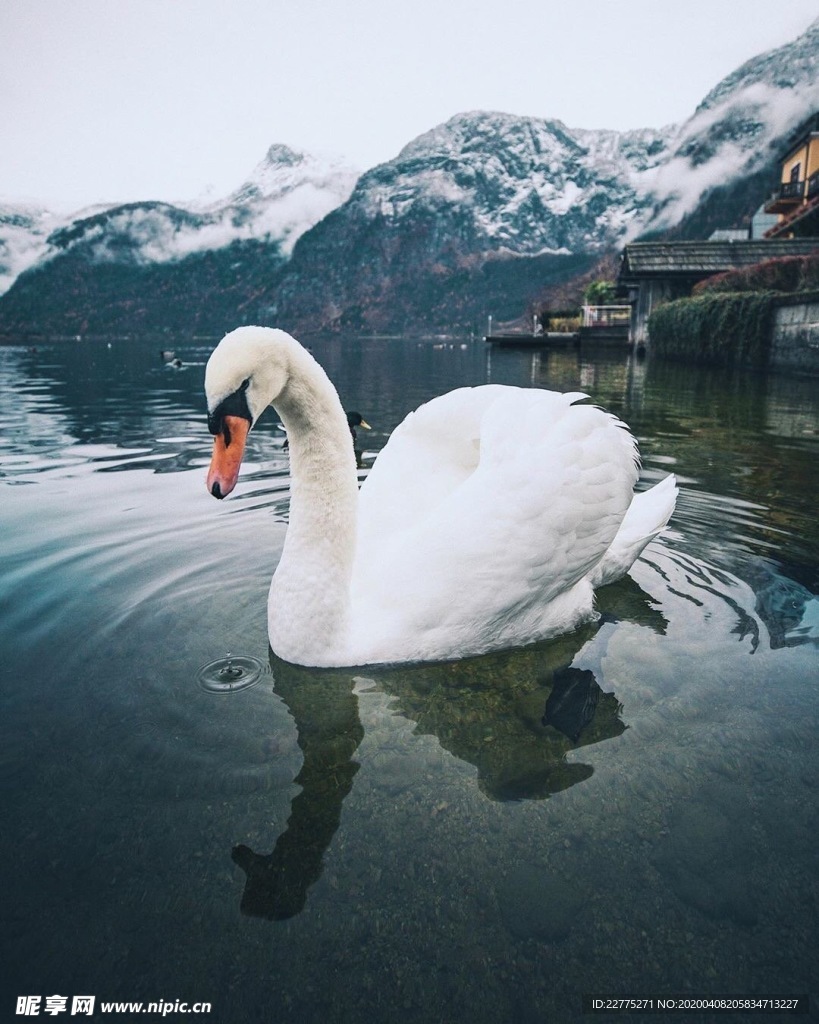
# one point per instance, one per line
(461, 201)
(487, 205)
(285, 195)
(520, 185)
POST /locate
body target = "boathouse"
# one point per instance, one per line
(656, 272)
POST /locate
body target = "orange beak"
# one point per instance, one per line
(228, 449)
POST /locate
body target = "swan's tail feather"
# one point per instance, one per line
(646, 518)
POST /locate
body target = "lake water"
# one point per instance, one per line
(410, 844)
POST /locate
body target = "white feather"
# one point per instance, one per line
(485, 523)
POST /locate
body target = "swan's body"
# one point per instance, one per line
(485, 523)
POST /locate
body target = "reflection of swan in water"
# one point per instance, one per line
(514, 715)
(325, 710)
(485, 524)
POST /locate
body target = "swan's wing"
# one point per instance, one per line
(646, 518)
(487, 501)
(430, 454)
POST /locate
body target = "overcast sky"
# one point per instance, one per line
(117, 100)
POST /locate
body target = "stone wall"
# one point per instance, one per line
(795, 340)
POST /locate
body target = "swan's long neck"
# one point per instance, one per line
(310, 591)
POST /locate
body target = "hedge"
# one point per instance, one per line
(781, 274)
(718, 328)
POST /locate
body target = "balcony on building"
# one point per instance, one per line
(790, 195)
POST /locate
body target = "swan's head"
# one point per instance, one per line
(246, 372)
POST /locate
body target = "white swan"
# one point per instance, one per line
(485, 523)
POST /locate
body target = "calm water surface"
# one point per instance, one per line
(411, 844)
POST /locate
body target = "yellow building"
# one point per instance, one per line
(797, 201)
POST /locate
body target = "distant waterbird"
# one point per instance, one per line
(170, 358)
(354, 419)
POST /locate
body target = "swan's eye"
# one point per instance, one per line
(234, 405)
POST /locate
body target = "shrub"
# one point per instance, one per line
(781, 274)
(719, 328)
(600, 293)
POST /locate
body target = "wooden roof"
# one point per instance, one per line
(700, 259)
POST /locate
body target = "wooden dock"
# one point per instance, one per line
(547, 339)
(616, 334)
